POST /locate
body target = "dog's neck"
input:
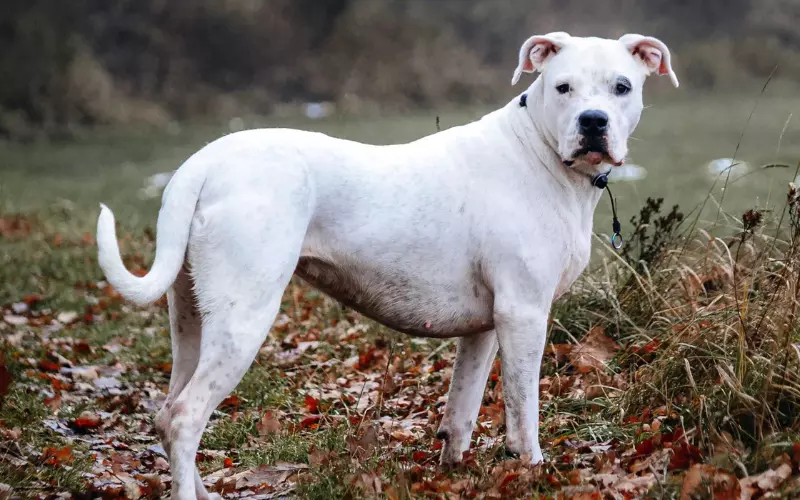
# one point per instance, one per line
(522, 116)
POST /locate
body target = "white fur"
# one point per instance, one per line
(472, 231)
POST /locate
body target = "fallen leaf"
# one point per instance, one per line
(87, 420)
(636, 485)
(363, 447)
(233, 401)
(54, 403)
(153, 486)
(312, 404)
(49, 366)
(684, 455)
(160, 464)
(320, 457)
(268, 425)
(67, 317)
(560, 352)
(770, 479)
(5, 491)
(264, 476)
(11, 434)
(14, 320)
(57, 456)
(106, 383)
(707, 481)
(20, 307)
(309, 422)
(594, 351)
(369, 483)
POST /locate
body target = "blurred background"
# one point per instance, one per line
(89, 62)
(96, 96)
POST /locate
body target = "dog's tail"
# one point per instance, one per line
(172, 237)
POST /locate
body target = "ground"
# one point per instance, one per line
(671, 381)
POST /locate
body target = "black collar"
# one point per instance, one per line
(599, 180)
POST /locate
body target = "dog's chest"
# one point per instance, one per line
(575, 260)
(405, 301)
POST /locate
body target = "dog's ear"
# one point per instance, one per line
(652, 52)
(536, 50)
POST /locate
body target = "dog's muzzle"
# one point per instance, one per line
(593, 129)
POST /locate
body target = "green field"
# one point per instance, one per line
(87, 371)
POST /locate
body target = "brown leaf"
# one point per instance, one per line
(268, 425)
(768, 480)
(707, 481)
(266, 477)
(11, 434)
(57, 456)
(560, 352)
(369, 483)
(233, 402)
(54, 403)
(594, 351)
(636, 485)
(153, 486)
(320, 457)
(366, 445)
(160, 464)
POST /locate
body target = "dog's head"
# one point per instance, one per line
(590, 91)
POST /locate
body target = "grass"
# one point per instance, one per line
(698, 334)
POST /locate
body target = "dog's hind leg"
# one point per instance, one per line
(230, 343)
(473, 363)
(185, 331)
(240, 267)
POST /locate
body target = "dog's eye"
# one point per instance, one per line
(563, 88)
(622, 88)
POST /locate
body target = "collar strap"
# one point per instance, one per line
(599, 180)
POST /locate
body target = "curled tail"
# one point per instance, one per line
(174, 223)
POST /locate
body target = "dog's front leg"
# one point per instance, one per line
(521, 331)
(473, 363)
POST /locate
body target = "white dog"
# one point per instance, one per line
(471, 233)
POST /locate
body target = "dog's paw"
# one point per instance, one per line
(452, 451)
(535, 457)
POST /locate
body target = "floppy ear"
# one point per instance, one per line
(652, 52)
(536, 51)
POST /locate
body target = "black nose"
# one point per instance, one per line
(593, 122)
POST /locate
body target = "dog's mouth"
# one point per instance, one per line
(593, 152)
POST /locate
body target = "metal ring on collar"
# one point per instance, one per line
(616, 241)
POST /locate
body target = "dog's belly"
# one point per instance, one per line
(403, 302)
